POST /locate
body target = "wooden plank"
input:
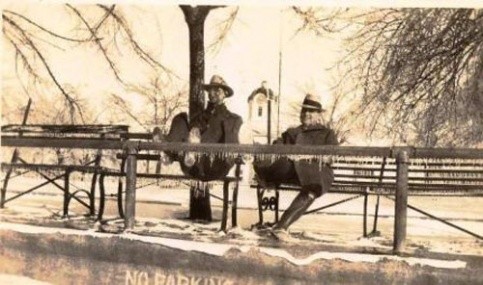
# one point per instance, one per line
(400, 212)
(130, 211)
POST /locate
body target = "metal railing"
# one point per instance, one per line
(402, 156)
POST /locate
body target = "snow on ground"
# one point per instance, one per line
(220, 249)
(161, 213)
(8, 279)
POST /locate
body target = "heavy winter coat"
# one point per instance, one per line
(217, 125)
(307, 174)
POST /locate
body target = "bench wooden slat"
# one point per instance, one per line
(163, 176)
(60, 167)
(40, 128)
(141, 156)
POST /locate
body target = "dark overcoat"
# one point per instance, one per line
(217, 125)
(310, 175)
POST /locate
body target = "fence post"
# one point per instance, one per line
(400, 215)
(131, 167)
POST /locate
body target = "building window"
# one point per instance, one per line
(260, 111)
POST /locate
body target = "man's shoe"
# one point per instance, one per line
(159, 137)
(194, 137)
(281, 235)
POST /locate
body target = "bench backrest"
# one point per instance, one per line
(426, 176)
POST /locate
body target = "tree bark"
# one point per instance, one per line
(200, 207)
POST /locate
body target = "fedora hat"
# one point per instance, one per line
(311, 104)
(218, 81)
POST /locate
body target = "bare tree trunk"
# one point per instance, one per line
(200, 208)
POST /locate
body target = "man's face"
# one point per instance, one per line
(216, 95)
(309, 118)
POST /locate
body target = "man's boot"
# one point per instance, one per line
(165, 159)
(298, 207)
(193, 137)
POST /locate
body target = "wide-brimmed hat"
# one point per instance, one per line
(311, 103)
(218, 81)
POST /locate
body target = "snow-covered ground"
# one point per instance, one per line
(10, 279)
(162, 212)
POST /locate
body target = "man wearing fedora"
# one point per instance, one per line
(215, 124)
(314, 179)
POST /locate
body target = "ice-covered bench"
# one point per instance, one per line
(52, 172)
(429, 172)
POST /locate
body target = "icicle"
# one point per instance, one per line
(336, 159)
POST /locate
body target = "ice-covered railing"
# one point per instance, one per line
(403, 158)
(239, 149)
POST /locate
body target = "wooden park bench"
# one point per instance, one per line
(53, 172)
(92, 137)
(410, 176)
(143, 156)
(431, 172)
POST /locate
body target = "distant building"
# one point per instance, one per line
(261, 102)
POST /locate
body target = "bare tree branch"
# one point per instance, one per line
(224, 27)
(143, 55)
(72, 103)
(98, 43)
(44, 29)
(407, 60)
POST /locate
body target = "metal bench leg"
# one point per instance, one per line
(364, 221)
(234, 205)
(102, 197)
(14, 157)
(376, 215)
(120, 207)
(224, 216)
(376, 210)
(277, 196)
(259, 200)
(7, 178)
(97, 163)
(234, 200)
(66, 193)
(92, 196)
(49, 180)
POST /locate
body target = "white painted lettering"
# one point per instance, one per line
(159, 279)
(143, 278)
(131, 278)
(227, 282)
(170, 280)
(195, 280)
(182, 280)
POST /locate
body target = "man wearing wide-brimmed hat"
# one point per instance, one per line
(314, 179)
(215, 124)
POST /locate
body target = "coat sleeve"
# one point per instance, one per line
(232, 129)
(331, 138)
(290, 135)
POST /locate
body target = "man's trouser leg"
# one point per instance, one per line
(298, 207)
